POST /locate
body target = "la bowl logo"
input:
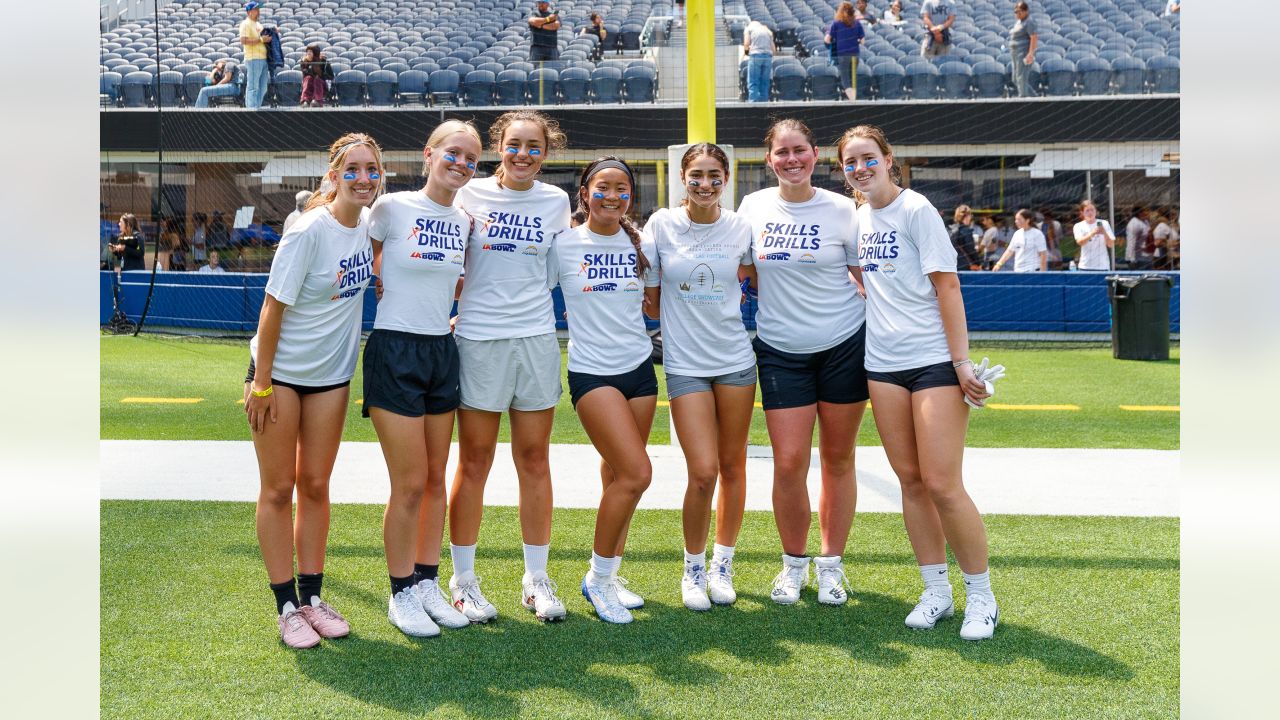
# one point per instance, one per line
(601, 287)
(501, 247)
(776, 256)
(870, 267)
(437, 256)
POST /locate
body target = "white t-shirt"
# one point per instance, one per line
(1027, 246)
(802, 252)
(505, 295)
(898, 246)
(1093, 254)
(290, 220)
(423, 244)
(206, 269)
(1168, 236)
(697, 268)
(603, 297)
(320, 271)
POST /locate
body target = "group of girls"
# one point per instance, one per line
(818, 264)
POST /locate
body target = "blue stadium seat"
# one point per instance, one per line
(544, 86)
(989, 79)
(1059, 76)
(824, 81)
(381, 86)
(366, 67)
(789, 82)
(109, 88)
(288, 87)
(1163, 74)
(640, 83)
(479, 88)
(606, 85)
(413, 87)
(169, 90)
(512, 85)
(922, 77)
(427, 66)
(463, 69)
(629, 36)
(395, 66)
(444, 86)
(890, 79)
(349, 86)
(956, 77)
(136, 88)
(1095, 76)
(491, 66)
(1128, 75)
(575, 84)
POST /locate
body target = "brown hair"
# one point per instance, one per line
(700, 150)
(961, 211)
(785, 125)
(876, 135)
(844, 13)
(337, 158)
(131, 224)
(553, 137)
(1088, 202)
(1026, 214)
(582, 213)
(1021, 6)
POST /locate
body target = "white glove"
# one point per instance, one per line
(988, 376)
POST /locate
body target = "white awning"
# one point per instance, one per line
(311, 165)
(1157, 159)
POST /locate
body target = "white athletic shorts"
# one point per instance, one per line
(516, 374)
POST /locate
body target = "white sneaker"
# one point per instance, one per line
(465, 591)
(604, 598)
(405, 612)
(538, 594)
(693, 588)
(832, 582)
(787, 584)
(432, 599)
(980, 617)
(629, 600)
(935, 604)
(720, 581)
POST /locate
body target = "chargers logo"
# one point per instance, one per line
(601, 287)
(807, 258)
(776, 256)
(870, 267)
(457, 260)
(888, 269)
(632, 287)
(437, 256)
(501, 247)
(531, 250)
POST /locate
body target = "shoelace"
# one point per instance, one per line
(430, 593)
(698, 575)
(295, 620)
(548, 588)
(790, 578)
(723, 568)
(328, 612)
(979, 607)
(471, 591)
(836, 570)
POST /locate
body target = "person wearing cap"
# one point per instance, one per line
(544, 25)
(255, 56)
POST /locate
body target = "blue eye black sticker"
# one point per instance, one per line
(716, 183)
(535, 152)
(348, 176)
(694, 184)
(471, 165)
(374, 175)
(625, 196)
(513, 151)
(597, 195)
(451, 158)
(872, 163)
(850, 168)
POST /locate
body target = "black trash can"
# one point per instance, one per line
(1139, 316)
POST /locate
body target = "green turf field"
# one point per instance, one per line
(165, 367)
(1089, 628)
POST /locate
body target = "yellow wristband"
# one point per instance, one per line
(262, 393)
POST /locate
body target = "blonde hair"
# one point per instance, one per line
(444, 130)
(552, 135)
(337, 158)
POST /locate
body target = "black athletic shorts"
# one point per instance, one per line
(300, 389)
(834, 375)
(636, 383)
(922, 378)
(410, 374)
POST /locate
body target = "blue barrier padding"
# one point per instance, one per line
(1067, 302)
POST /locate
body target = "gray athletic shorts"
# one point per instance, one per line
(678, 385)
(516, 374)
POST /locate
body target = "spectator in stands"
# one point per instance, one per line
(199, 238)
(130, 247)
(845, 36)
(862, 15)
(1023, 38)
(893, 16)
(1164, 238)
(1172, 7)
(171, 246)
(1027, 247)
(1052, 230)
(962, 239)
(596, 28)
(938, 16)
(257, 74)
(1137, 240)
(1094, 237)
(213, 266)
(300, 202)
(544, 25)
(219, 235)
(317, 73)
(758, 46)
(219, 83)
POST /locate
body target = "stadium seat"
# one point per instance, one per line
(606, 85)
(491, 66)
(169, 91)
(381, 86)
(922, 77)
(789, 82)
(412, 86)
(890, 80)
(639, 83)
(395, 66)
(366, 67)
(1059, 75)
(444, 86)
(427, 66)
(1095, 76)
(575, 84)
(543, 86)
(288, 85)
(109, 88)
(1163, 74)
(463, 69)
(512, 85)
(136, 88)
(349, 86)
(1128, 75)
(629, 36)
(479, 88)
(989, 79)
(824, 81)
(955, 80)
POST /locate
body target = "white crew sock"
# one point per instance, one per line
(935, 576)
(464, 558)
(979, 584)
(603, 569)
(694, 559)
(722, 551)
(535, 559)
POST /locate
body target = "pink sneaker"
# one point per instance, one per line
(325, 620)
(296, 632)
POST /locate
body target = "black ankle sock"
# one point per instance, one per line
(425, 572)
(400, 583)
(285, 592)
(309, 586)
